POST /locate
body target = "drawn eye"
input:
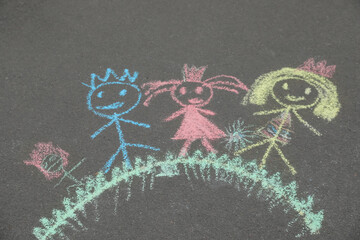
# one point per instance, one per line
(123, 92)
(285, 86)
(307, 91)
(182, 90)
(99, 95)
(199, 90)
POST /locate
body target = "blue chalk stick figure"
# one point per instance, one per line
(112, 100)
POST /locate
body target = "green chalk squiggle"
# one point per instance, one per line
(233, 171)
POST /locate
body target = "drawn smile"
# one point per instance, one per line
(195, 100)
(294, 98)
(111, 106)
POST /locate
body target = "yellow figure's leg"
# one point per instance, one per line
(251, 147)
(281, 154)
(263, 160)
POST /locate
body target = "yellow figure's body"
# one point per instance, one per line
(318, 94)
(273, 141)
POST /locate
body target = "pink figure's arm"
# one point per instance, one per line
(207, 112)
(175, 115)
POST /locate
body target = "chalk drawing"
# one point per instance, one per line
(192, 93)
(112, 99)
(67, 174)
(318, 95)
(51, 161)
(234, 171)
(238, 135)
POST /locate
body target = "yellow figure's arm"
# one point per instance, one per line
(268, 112)
(306, 123)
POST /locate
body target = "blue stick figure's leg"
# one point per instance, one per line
(126, 157)
(122, 149)
(123, 145)
(108, 164)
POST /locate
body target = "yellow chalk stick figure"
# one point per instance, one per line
(294, 89)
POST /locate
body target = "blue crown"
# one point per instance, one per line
(126, 77)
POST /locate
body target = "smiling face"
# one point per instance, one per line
(295, 92)
(114, 98)
(192, 93)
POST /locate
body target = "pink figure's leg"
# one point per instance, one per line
(207, 145)
(185, 148)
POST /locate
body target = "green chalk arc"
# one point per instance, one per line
(231, 170)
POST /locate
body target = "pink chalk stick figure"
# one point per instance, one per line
(192, 94)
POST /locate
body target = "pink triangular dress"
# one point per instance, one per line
(196, 126)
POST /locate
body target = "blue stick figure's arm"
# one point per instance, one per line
(102, 129)
(135, 123)
(142, 146)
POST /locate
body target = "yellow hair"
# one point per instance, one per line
(328, 105)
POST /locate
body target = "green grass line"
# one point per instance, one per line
(231, 170)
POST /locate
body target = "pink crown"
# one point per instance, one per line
(320, 68)
(193, 74)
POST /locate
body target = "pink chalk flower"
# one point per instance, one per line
(48, 159)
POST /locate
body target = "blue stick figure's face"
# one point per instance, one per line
(113, 99)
